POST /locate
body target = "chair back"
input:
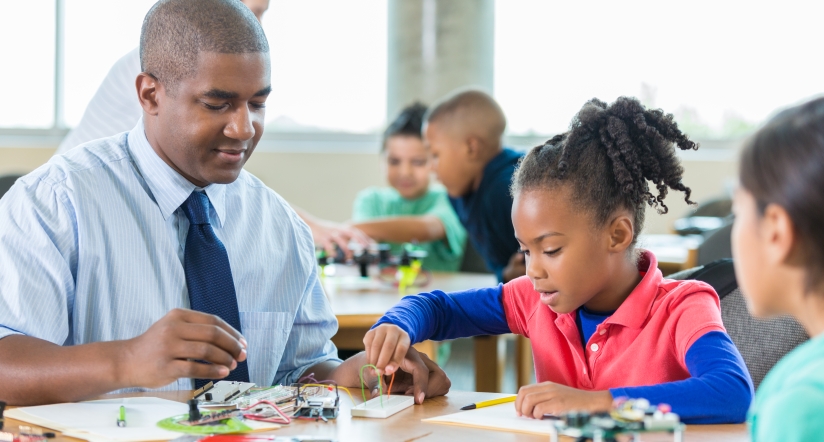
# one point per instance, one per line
(472, 261)
(6, 181)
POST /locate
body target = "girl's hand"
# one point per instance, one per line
(386, 346)
(536, 400)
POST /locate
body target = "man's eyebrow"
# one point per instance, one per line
(220, 94)
(264, 91)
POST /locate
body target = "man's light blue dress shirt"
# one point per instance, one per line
(91, 249)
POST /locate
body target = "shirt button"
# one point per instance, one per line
(585, 371)
(593, 347)
(603, 331)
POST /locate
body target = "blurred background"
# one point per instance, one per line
(340, 69)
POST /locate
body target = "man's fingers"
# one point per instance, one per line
(192, 369)
(414, 365)
(213, 335)
(196, 317)
(202, 351)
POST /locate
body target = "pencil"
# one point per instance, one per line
(489, 403)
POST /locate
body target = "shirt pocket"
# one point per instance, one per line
(267, 334)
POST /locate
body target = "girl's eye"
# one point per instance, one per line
(525, 252)
(552, 252)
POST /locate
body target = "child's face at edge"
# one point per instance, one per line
(757, 278)
(450, 160)
(407, 166)
(567, 259)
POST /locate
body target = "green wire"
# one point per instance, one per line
(363, 384)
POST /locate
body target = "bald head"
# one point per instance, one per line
(176, 31)
(470, 113)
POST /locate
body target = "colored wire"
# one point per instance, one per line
(336, 386)
(281, 418)
(380, 384)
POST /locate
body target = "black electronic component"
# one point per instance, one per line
(2, 409)
(194, 413)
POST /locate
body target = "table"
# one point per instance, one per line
(674, 252)
(359, 302)
(407, 426)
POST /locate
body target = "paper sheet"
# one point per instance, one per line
(96, 421)
(498, 417)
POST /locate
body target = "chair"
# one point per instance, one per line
(6, 181)
(472, 261)
(717, 245)
(761, 342)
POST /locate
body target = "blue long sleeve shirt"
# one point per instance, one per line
(719, 389)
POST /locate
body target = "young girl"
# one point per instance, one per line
(778, 245)
(411, 210)
(602, 321)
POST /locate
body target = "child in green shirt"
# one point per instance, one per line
(411, 210)
(778, 245)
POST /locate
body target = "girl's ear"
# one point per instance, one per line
(778, 232)
(621, 233)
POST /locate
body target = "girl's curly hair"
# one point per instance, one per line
(607, 157)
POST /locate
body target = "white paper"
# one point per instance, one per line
(497, 417)
(99, 418)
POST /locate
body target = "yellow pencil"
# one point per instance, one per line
(489, 403)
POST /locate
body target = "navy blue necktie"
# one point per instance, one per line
(208, 275)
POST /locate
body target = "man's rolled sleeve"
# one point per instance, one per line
(38, 250)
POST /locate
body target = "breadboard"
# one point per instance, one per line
(391, 405)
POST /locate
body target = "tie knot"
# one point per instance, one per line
(196, 208)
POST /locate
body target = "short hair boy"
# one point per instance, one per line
(464, 132)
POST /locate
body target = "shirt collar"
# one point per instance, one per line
(169, 188)
(635, 310)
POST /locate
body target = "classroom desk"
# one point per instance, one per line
(359, 303)
(674, 252)
(407, 426)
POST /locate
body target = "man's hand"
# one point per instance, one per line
(386, 346)
(418, 376)
(169, 348)
(536, 400)
(516, 267)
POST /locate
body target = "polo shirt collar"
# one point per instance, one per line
(635, 310)
(169, 188)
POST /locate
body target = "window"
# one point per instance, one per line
(328, 65)
(97, 34)
(328, 60)
(27, 54)
(721, 67)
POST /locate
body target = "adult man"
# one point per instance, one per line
(114, 108)
(104, 249)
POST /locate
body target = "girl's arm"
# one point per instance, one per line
(438, 315)
(719, 390)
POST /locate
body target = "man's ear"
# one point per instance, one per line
(148, 91)
(779, 232)
(620, 233)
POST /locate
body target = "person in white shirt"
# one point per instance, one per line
(114, 109)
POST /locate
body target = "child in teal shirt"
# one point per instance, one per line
(778, 246)
(411, 210)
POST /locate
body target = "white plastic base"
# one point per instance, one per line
(391, 405)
